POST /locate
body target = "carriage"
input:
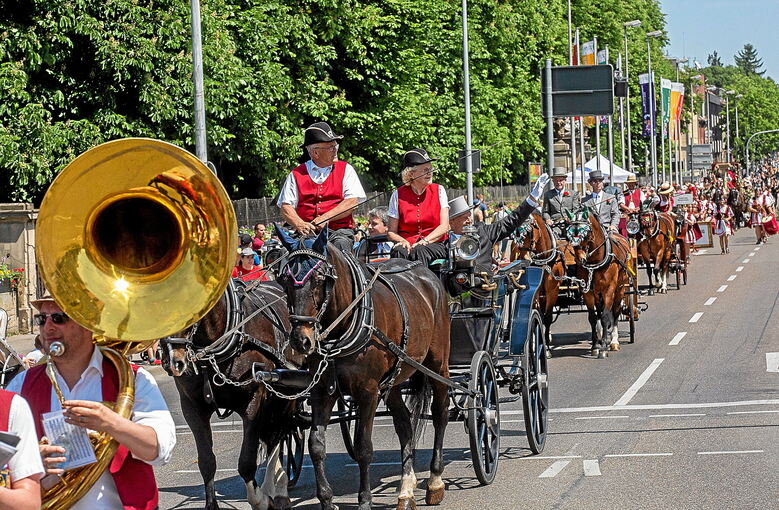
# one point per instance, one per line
(497, 341)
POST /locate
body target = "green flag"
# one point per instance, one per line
(665, 103)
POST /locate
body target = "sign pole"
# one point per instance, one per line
(549, 116)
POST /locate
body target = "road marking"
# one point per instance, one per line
(655, 407)
(695, 318)
(591, 467)
(731, 277)
(757, 249)
(354, 464)
(664, 454)
(554, 469)
(710, 301)
(601, 417)
(745, 261)
(701, 252)
(755, 412)
(190, 471)
(642, 379)
(739, 269)
(722, 288)
(551, 457)
(730, 452)
(772, 362)
(676, 415)
(678, 338)
(751, 254)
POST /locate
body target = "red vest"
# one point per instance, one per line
(419, 214)
(316, 199)
(134, 479)
(633, 198)
(667, 207)
(5, 409)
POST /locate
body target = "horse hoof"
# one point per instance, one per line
(614, 347)
(434, 496)
(406, 504)
(280, 503)
(548, 352)
(603, 355)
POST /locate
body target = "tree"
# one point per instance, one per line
(714, 60)
(748, 61)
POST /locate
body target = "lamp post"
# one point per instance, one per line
(467, 98)
(626, 25)
(201, 147)
(652, 102)
(727, 119)
(738, 97)
(749, 140)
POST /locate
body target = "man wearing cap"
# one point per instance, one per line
(323, 190)
(459, 217)
(418, 212)
(604, 205)
(558, 199)
(87, 380)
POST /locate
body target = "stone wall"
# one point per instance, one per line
(17, 250)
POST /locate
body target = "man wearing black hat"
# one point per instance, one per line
(558, 199)
(323, 190)
(604, 205)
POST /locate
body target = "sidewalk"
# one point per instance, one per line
(22, 344)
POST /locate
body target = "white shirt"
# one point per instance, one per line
(149, 409)
(392, 208)
(352, 188)
(26, 461)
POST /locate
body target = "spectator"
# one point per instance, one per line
(247, 270)
(34, 356)
(259, 237)
(245, 241)
(20, 479)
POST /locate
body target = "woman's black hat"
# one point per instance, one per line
(416, 157)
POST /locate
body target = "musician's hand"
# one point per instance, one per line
(90, 415)
(52, 457)
(305, 228)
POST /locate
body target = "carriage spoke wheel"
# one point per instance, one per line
(535, 389)
(484, 418)
(292, 452)
(348, 408)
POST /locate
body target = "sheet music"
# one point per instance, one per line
(78, 448)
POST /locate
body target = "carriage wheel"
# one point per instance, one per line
(347, 407)
(484, 418)
(535, 390)
(632, 321)
(291, 455)
(678, 271)
(684, 273)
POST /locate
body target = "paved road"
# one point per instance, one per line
(688, 417)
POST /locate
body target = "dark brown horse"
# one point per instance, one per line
(403, 309)
(602, 263)
(205, 387)
(656, 245)
(535, 241)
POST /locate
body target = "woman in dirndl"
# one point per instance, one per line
(693, 230)
(723, 224)
(756, 218)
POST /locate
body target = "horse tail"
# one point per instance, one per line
(418, 403)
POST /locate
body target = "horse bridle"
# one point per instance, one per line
(322, 269)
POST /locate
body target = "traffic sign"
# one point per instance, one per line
(581, 90)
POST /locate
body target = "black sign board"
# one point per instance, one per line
(581, 90)
(475, 160)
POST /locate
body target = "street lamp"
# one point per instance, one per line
(738, 96)
(467, 100)
(727, 120)
(652, 102)
(626, 25)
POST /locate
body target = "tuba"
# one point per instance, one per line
(135, 241)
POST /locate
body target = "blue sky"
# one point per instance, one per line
(699, 27)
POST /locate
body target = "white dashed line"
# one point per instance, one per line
(730, 452)
(739, 269)
(551, 457)
(731, 277)
(757, 249)
(678, 338)
(710, 301)
(745, 261)
(656, 407)
(722, 288)
(772, 362)
(751, 254)
(755, 412)
(601, 417)
(554, 469)
(641, 381)
(676, 415)
(591, 467)
(702, 252)
(665, 454)
(695, 318)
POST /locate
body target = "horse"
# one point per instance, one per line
(736, 203)
(656, 245)
(602, 263)
(534, 240)
(362, 358)
(214, 371)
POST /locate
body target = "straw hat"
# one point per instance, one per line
(665, 188)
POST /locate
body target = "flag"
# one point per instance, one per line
(648, 105)
(680, 102)
(677, 95)
(665, 98)
(588, 59)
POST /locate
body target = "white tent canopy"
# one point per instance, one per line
(620, 175)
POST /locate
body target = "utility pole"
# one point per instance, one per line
(201, 146)
(467, 97)
(626, 25)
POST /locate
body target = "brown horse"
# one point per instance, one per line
(534, 240)
(204, 387)
(357, 351)
(602, 263)
(656, 245)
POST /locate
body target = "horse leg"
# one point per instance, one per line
(649, 273)
(321, 408)
(401, 418)
(592, 316)
(367, 402)
(247, 464)
(274, 485)
(440, 414)
(198, 416)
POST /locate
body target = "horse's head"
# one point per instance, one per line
(648, 218)
(526, 237)
(308, 279)
(173, 354)
(577, 227)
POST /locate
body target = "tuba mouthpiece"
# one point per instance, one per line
(56, 349)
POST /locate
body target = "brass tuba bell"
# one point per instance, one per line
(135, 241)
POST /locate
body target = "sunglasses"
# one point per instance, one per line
(56, 318)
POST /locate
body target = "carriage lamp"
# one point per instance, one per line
(461, 278)
(633, 226)
(466, 248)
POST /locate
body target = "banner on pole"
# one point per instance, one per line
(665, 97)
(677, 90)
(534, 170)
(588, 59)
(647, 105)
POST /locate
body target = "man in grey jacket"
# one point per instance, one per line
(604, 205)
(558, 199)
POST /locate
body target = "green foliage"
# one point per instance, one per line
(748, 61)
(714, 60)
